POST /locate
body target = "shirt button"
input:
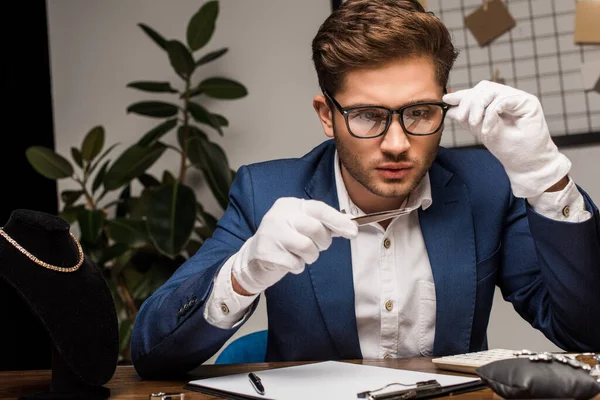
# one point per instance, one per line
(354, 211)
(224, 308)
(566, 211)
(389, 305)
(387, 243)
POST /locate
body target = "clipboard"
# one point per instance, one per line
(328, 379)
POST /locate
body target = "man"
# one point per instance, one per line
(420, 283)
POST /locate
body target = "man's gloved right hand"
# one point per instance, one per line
(291, 235)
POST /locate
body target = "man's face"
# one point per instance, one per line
(392, 165)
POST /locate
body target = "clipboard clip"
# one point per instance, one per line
(421, 387)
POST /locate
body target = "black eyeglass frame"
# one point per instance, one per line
(346, 110)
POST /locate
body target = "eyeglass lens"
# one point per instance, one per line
(420, 119)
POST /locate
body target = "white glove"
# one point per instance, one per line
(291, 235)
(511, 125)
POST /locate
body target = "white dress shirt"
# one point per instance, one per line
(394, 292)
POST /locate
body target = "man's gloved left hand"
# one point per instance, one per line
(511, 125)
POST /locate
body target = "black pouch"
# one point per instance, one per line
(536, 378)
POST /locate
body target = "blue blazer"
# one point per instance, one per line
(477, 236)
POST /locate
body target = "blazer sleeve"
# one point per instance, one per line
(551, 274)
(170, 335)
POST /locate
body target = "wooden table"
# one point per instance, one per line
(125, 383)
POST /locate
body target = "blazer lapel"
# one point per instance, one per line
(331, 274)
(447, 227)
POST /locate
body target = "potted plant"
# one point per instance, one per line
(139, 239)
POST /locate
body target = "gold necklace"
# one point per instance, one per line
(42, 263)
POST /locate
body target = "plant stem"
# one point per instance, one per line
(186, 116)
(88, 196)
(104, 193)
(114, 202)
(127, 298)
(170, 146)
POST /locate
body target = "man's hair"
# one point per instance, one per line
(368, 33)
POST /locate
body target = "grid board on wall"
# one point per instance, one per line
(538, 55)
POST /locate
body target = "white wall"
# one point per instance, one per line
(97, 48)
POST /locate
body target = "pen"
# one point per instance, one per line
(256, 383)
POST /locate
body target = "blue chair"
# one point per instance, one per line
(250, 348)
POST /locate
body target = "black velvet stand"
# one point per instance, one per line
(76, 308)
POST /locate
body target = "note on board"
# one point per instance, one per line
(489, 21)
(587, 15)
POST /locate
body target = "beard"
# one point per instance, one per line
(369, 178)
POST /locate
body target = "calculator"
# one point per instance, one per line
(469, 362)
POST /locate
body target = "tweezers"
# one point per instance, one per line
(379, 216)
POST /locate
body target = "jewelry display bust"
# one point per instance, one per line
(45, 264)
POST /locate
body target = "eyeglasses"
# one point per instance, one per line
(419, 119)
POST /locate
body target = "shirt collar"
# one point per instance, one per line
(419, 197)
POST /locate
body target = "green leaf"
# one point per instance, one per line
(207, 226)
(171, 214)
(155, 36)
(123, 204)
(128, 231)
(191, 93)
(115, 294)
(133, 276)
(92, 143)
(210, 221)
(121, 263)
(76, 154)
(192, 247)
(131, 164)
(148, 180)
(90, 224)
(157, 109)
(97, 162)
(181, 58)
(157, 132)
(203, 231)
(168, 178)
(221, 120)
(222, 88)
(48, 163)
(125, 331)
(142, 289)
(211, 159)
(112, 252)
(100, 177)
(143, 284)
(153, 87)
(139, 205)
(69, 214)
(70, 196)
(213, 55)
(192, 131)
(195, 151)
(93, 251)
(203, 116)
(202, 25)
